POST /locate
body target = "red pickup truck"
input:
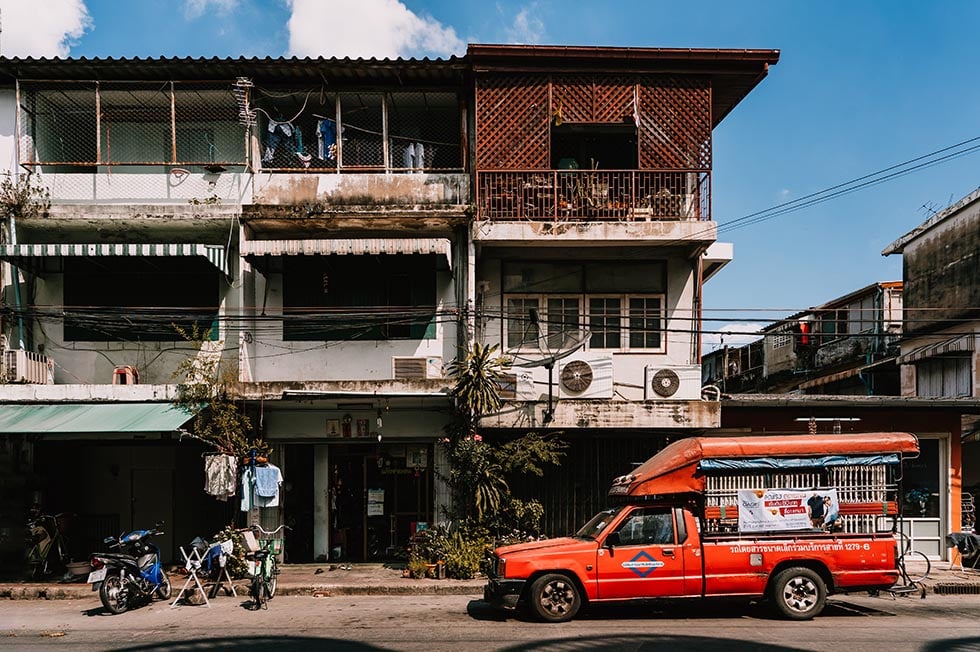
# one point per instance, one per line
(789, 518)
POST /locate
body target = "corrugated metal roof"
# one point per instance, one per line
(960, 344)
(267, 70)
(25, 255)
(91, 418)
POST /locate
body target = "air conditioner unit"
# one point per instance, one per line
(416, 368)
(674, 383)
(20, 366)
(519, 385)
(585, 377)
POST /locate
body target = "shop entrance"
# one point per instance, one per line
(379, 497)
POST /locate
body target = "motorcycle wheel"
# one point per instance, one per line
(113, 595)
(164, 589)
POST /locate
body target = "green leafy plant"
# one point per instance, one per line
(219, 420)
(417, 566)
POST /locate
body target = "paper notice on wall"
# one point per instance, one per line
(767, 510)
(376, 502)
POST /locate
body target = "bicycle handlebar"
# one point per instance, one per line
(261, 529)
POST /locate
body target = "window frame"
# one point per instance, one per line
(585, 314)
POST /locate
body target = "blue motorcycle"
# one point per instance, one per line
(131, 577)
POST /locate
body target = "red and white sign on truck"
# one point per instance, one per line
(790, 518)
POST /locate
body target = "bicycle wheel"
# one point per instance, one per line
(273, 580)
(915, 566)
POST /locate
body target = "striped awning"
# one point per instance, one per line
(32, 256)
(960, 344)
(254, 250)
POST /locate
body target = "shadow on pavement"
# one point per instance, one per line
(258, 644)
(954, 645)
(649, 643)
(689, 609)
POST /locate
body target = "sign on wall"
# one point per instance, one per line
(766, 510)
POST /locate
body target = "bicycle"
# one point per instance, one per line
(48, 550)
(911, 580)
(263, 553)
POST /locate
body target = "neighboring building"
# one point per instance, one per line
(935, 421)
(847, 346)
(939, 351)
(344, 228)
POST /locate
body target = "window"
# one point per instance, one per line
(359, 297)
(944, 376)
(563, 322)
(134, 298)
(645, 322)
(605, 323)
(781, 340)
(621, 304)
(647, 527)
(522, 327)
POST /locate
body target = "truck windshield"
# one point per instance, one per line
(592, 529)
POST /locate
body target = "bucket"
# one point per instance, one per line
(77, 568)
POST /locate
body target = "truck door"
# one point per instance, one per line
(641, 557)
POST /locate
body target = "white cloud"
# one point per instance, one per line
(527, 28)
(784, 193)
(197, 8)
(367, 29)
(734, 334)
(48, 31)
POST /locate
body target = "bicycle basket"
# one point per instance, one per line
(273, 545)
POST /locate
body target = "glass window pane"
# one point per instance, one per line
(645, 323)
(563, 322)
(604, 323)
(522, 332)
(644, 276)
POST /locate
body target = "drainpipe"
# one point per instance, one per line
(15, 279)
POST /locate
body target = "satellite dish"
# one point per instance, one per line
(572, 341)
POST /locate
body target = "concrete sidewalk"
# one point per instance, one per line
(320, 580)
(331, 579)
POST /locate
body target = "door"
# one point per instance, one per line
(152, 502)
(644, 560)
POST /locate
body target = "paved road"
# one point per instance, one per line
(438, 622)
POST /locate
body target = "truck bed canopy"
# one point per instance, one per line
(679, 468)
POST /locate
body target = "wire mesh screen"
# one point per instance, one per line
(75, 127)
(409, 131)
(362, 117)
(58, 125)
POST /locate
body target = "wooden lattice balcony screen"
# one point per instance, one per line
(514, 114)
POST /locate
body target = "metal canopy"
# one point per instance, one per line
(960, 344)
(64, 418)
(32, 256)
(254, 250)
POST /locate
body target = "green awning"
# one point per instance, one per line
(91, 418)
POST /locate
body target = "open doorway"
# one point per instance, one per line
(605, 146)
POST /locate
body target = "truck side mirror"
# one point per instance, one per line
(612, 540)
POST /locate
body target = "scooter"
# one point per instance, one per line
(133, 576)
(46, 552)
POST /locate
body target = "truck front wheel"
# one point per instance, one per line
(554, 598)
(798, 593)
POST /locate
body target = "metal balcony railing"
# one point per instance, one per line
(594, 195)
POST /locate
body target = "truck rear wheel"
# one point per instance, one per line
(554, 598)
(798, 593)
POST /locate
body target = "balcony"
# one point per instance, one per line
(594, 195)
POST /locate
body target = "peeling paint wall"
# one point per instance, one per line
(942, 272)
(362, 189)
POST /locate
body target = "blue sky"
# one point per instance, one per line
(860, 86)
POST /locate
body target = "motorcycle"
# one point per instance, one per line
(133, 576)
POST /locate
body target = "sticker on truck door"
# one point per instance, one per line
(643, 563)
